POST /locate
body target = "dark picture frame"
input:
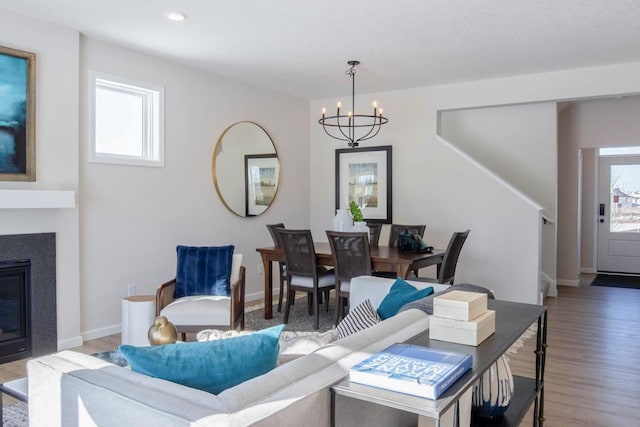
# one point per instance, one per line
(261, 173)
(17, 115)
(364, 174)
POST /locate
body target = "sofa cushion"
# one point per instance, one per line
(358, 318)
(400, 293)
(212, 366)
(203, 270)
(426, 304)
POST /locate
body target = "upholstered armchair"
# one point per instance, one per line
(197, 310)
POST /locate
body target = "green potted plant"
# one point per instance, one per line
(358, 220)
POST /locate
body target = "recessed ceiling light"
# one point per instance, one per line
(176, 16)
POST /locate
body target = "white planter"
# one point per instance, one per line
(360, 227)
(342, 221)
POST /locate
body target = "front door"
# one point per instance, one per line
(619, 214)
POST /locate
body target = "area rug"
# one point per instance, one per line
(15, 415)
(616, 281)
(299, 319)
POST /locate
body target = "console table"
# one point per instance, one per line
(512, 320)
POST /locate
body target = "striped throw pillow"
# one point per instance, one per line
(359, 318)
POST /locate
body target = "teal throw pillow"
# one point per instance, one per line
(400, 294)
(212, 366)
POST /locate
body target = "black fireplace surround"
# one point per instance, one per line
(38, 253)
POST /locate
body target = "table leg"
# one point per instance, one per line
(403, 270)
(268, 287)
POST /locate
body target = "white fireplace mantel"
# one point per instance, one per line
(37, 199)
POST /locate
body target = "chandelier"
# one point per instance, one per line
(352, 127)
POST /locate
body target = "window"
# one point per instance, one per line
(127, 121)
(619, 151)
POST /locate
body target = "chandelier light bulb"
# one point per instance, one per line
(339, 104)
(375, 104)
(324, 110)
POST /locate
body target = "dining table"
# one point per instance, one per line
(383, 258)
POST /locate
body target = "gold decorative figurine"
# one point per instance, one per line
(162, 332)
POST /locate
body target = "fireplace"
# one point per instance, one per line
(28, 319)
(15, 304)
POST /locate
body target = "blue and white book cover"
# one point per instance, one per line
(411, 369)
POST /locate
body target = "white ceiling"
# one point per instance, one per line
(301, 47)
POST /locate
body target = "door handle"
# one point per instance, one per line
(601, 210)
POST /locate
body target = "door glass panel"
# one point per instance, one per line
(625, 199)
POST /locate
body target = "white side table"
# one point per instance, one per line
(138, 314)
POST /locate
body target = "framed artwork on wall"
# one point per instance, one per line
(17, 115)
(261, 178)
(364, 176)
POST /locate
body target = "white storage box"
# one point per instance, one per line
(471, 332)
(460, 305)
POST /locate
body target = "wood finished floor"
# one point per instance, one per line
(591, 377)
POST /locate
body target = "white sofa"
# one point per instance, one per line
(73, 389)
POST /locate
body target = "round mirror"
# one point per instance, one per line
(246, 170)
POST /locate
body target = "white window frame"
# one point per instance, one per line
(153, 120)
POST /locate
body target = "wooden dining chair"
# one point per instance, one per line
(374, 233)
(351, 258)
(303, 272)
(450, 260)
(273, 231)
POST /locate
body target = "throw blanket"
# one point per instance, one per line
(426, 304)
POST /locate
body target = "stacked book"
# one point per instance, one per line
(462, 317)
(411, 369)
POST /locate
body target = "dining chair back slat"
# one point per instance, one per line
(351, 258)
(374, 233)
(450, 261)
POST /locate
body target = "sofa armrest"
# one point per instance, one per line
(74, 389)
(376, 288)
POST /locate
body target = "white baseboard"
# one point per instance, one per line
(589, 270)
(70, 343)
(255, 296)
(102, 332)
(565, 282)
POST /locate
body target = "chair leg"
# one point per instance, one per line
(316, 309)
(280, 295)
(290, 296)
(183, 335)
(326, 297)
(338, 308)
(310, 303)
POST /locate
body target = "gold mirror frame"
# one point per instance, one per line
(237, 166)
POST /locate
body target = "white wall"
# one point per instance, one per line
(56, 155)
(133, 217)
(434, 185)
(583, 125)
(517, 142)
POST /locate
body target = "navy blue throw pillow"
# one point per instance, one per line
(203, 270)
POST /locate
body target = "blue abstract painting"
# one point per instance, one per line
(14, 92)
